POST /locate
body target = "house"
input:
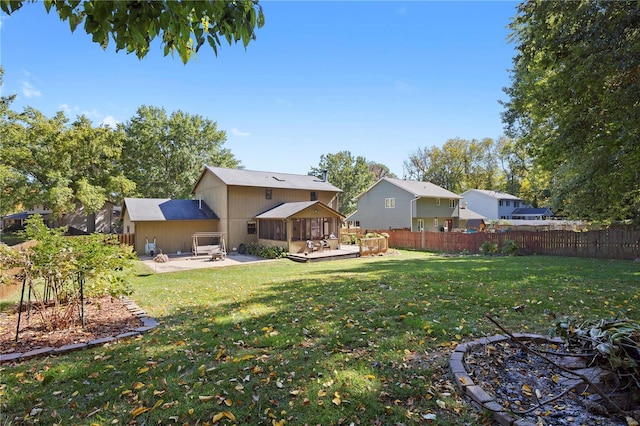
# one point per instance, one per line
(16, 221)
(492, 205)
(104, 220)
(245, 203)
(169, 224)
(531, 213)
(396, 204)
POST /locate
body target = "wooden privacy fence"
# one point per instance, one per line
(128, 239)
(607, 244)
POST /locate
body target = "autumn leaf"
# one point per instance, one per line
(143, 370)
(140, 410)
(138, 386)
(222, 415)
(206, 398)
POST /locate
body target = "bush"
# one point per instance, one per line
(271, 252)
(510, 248)
(489, 248)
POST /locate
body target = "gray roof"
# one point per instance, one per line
(494, 194)
(468, 214)
(161, 209)
(286, 210)
(259, 179)
(524, 211)
(418, 189)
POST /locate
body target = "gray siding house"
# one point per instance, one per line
(492, 205)
(405, 204)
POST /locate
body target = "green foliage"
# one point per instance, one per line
(458, 166)
(176, 148)
(267, 252)
(352, 175)
(510, 248)
(489, 248)
(56, 267)
(573, 102)
(612, 343)
(183, 27)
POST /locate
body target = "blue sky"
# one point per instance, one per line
(380, 79)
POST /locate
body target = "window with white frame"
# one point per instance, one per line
(420, 224)
(389, 203)
(437, 201)
(435, 223)
(452, 203)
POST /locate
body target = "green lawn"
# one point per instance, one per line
(362, 341)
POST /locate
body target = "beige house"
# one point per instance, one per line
(240, 197)
(165, 223)
(246, 206)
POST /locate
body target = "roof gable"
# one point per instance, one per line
(286, 210)
(416, 188)
(253, 178)
(162, 209)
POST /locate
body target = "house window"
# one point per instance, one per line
(501, 203)
(437, 201)
(313, 228)
(420, 224)
(516, 204)
(389, 203)
(452, 203)
(508, 202)
(251, 227)
(314, 195)
(267, 193)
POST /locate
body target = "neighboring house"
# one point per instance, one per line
(103, 221)
(16, 220)
(492, 205)
(242, 200)
(398, 204)
(531, 213)
(167, 223)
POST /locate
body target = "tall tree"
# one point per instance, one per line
(183, 27)
(164, 155)
(349, 173)
(459, 165)
(49, 163)
(573, 102)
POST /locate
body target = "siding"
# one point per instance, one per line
(171, 236)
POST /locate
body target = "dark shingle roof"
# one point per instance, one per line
(161, 209)
(259, 179)
(287, 210)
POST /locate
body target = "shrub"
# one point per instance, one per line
(271, 252)
(510, 248)
(489, 248)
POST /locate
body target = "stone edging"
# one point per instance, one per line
(478, 395)
(148, 323)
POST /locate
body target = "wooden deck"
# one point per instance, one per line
(343, 252)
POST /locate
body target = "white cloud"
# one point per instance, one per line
(29, 91)
(109, 121)
(66, 109)
(237, 132)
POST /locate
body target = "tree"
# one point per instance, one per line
(457, 166)
(380, 170)
(573, 102)
(165, 155)
(182, 26)
(350, 174)
(47, 162)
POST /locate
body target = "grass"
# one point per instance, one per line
(362, 341)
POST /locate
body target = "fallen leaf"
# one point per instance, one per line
(206, 398)
(135, 413)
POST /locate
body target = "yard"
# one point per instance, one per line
(361, 341)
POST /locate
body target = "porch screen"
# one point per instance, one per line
(314, 228)
(273, 229)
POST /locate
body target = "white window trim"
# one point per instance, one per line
(389, 203)
(420, 224)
